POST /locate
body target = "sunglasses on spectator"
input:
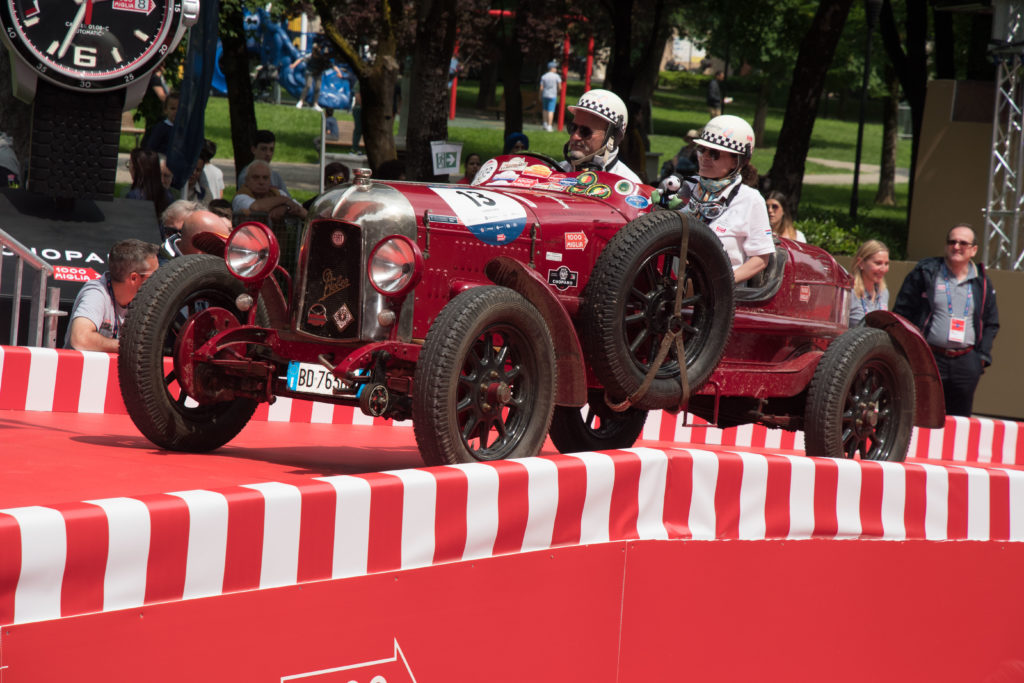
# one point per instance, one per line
(584, 132)
(336, 179)
(712, 154)
(959, 243)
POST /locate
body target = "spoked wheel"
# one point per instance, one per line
(157, 404)
(485, 380)
(595, 427)
(861, 400)
(628, 307)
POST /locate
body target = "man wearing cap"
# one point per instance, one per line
(550, 82)
(599, 122)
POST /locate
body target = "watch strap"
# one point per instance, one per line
(75, 137)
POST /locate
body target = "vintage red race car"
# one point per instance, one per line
(534, 302)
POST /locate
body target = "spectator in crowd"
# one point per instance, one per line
(952, 301)
(330, 124)
(684, 163)
(10, 169)
(734, 211)
(516, 142)
(195, 186)
(473, 164)
(202, 222)
(715, 96)
(317, 62)
(222, 208)
(870, 264)
(335, 173)
(171, 222)
(99, 309)
(257, 196)
(147, 182)
(550, 82)
(595, 133)
(166, 175)
(781, 219)
(214, 177)
(390, 170)
(159, 137)
(263, 150)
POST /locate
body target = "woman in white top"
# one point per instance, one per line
(781, 219)
(734, 211)
(870, 264)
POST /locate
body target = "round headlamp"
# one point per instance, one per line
(251, 252)
(395, 265)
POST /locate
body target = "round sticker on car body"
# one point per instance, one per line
(491, 217)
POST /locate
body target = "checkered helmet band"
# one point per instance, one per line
(728, 134)
(605, 104)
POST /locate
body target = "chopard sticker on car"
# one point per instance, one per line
(491, 217)
(638, 200)
(625, 186)
(576, 240)
(562, 278)
(485, 172)
(553, 256)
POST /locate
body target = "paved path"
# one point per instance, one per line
(868, 173)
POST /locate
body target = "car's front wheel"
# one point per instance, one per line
(860, 403)
(485, 380)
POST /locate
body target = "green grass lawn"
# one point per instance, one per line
(823, 208)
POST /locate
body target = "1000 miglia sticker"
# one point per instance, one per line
(491, 217)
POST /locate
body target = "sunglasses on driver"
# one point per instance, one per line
(712, 154)
(584, 132)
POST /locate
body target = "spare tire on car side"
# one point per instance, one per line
(628, 308)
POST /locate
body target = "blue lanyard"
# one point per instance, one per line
(949, 297)
(110, 291)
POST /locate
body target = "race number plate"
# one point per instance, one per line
(309, 378)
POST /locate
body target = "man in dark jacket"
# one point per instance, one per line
(952, 301)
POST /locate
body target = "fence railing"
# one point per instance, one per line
(45, 308)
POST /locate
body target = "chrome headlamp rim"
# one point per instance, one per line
(251, 252)
(411, 265)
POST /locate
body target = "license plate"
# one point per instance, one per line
(310, 378)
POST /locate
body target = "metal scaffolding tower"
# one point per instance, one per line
(1003, 243)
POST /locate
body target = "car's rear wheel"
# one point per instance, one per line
(155, 400)
(485, 380)
(860, 403)
(628, 307)
(595, 427)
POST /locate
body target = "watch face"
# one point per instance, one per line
(91, 44)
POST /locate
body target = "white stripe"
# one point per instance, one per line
(207, 542)
(978, 505)
(650, 521)
(914, 444)
(42, 379)
(419, 507)
(128, 523)
(702, 518)
(936, 515)
(282, 525)
(543, 494)
(753, 496)
(323, 413)
(938, 437)
(773, 438)
(280, 410)
(351, 525)
(713, 436)
(744, 435)
(1008, 456)
(481, 510)
(2, 353)
(801, 497)
(1016, 505)
(44, 543)
(652, 427)
(848, 490)
(361, 418)
(961, 437)
(95, 372)
(798, 441)
(894, 501)
(597, 506)
(985, 443)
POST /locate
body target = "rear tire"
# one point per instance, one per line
(595, 427)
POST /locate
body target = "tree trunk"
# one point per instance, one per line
(15, 115)
(813, 61)
(488, 86)
(435, 42)
(511, 68)
(761, 111)
(378, 95)
(886, 194)
(234, 62)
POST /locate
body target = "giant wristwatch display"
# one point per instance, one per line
(83, 62)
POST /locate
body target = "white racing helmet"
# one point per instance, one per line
(728, 133)
(608, 106)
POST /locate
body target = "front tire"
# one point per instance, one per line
(157, 404)
(485, 380)
(595, 427)
(628, 307)
(861, 400)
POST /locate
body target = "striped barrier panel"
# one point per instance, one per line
(118, 553)
(37, 379)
